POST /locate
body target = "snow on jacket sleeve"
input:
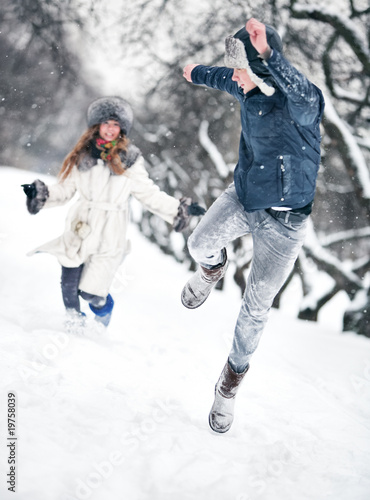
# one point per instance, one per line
(215, 77)
(61, 192)
(305, 101)
(148, 193)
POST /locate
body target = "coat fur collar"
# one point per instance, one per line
(128, 159)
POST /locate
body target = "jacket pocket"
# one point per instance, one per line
(290, 178)
(263, 119)
(80, 228)
(284, 176)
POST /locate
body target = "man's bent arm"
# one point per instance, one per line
(303, 96)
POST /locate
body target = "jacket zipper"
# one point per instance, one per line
(282, 176)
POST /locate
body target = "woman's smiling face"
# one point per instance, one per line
(109, 130)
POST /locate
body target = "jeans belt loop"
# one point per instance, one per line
(287, 217)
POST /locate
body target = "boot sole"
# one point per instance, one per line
(196, 305)
(215, 430)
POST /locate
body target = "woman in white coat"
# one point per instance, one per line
(105, 170)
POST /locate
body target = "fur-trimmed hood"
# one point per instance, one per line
(240, 53)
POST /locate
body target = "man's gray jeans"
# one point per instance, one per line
(276, 245)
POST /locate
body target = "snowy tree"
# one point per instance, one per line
(345, 60)
(190, 134)
(41, 83)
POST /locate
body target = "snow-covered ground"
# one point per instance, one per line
(123, 414)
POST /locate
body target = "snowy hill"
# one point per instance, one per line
(123, 414)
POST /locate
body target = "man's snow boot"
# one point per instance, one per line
(200, 285)
(222, 412)
(103, 314)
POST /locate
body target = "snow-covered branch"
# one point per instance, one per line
(364, 142)
(341, 93)
(352, 234)
(212, 150)
(345, 26)
(154, 137)
(349, 147)
(346, 278)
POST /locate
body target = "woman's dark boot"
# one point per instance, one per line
(222, 412)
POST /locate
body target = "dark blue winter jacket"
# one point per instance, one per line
(279, 150)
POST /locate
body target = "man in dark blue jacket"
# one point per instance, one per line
(272, 193)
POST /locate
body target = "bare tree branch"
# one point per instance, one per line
(351, 153)
(343, 26)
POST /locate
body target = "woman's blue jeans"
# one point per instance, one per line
(276, 245)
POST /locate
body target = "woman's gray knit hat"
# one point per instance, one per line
(111, 108)
(240, 53)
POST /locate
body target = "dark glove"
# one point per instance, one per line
(187, 208)
(195, 209)
(30, 190)
(37, 194)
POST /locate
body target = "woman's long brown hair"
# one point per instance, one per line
(82, 149)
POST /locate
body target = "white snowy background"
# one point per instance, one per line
(123, 413)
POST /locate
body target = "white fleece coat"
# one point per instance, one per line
(96, 225)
